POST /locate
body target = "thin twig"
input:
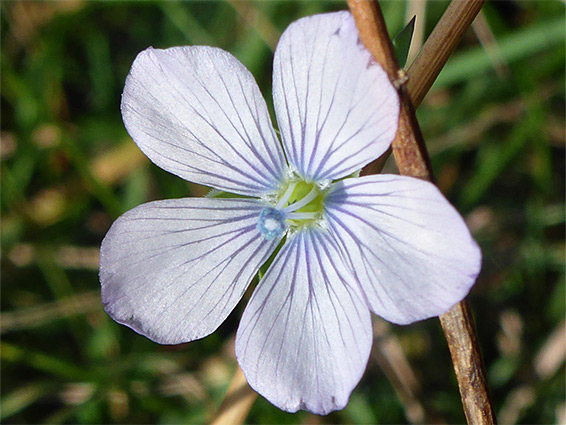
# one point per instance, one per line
(489, 43)
(255, 18)
(42, 314)
(416, 8)
(388, 353)
(413, 160)
(237, 402)
(439, 46)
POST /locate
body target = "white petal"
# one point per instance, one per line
(408, 247)
(335, 107)
(173, 270)
(197, 112)
(305, 336)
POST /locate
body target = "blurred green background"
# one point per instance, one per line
(494, 125)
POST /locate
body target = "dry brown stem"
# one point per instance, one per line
(408, 146)
(458, 327)
(413, 160)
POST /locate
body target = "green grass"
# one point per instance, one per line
(68, 169)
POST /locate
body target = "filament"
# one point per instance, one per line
(305, 201)
(286, 196)
(302, 215)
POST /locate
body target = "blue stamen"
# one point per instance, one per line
(271, 223)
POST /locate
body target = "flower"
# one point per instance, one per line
(173, 270)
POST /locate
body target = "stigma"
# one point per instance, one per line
(298, 204)
(271, 223)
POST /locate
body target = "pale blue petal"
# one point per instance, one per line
(197, 112)
(408, 247)
(335, 107)
(305, 336)
(173, 270)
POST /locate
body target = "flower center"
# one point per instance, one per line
(299, 204)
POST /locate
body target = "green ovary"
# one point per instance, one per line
(311, 211)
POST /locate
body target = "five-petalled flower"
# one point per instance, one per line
(173, 270)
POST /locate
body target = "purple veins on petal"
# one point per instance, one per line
(324, 93)
(197, 112)
(407, 246)
(186, 273)
(173, 270)
(304, 338)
